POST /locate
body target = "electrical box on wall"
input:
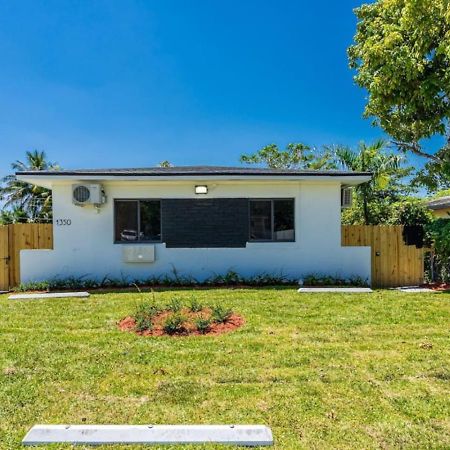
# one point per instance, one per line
(138, 253)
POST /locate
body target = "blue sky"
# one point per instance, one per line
(131, 83)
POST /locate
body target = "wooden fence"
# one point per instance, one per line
(393, 262)
(14, 238)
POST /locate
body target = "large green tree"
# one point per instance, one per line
(294, 156)
(436, 174)
(401, 52)
(387, 186)
(22, 200)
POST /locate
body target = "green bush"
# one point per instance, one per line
(410, 212)
(33, 286)
(230, 278)
(327, 280)
(174, 305)
(386, 211)
(202, 325)
(438, 235)
(219, 314)
(195, 305)
(143, 316)
(174, 324)
(143, 322)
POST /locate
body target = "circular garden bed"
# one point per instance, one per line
(178, 320)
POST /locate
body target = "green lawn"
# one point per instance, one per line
(323, 371)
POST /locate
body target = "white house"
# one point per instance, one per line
(200, 221)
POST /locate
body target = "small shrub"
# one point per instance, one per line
(358, 281)
(174, 324)
(174, 305)
(202, 325)
(232, 277)
(265, 279)
(143, 316)
(143, 322)
(327, 280)
(220, 314)
(195, 305)
(33, 286)
(148, 309)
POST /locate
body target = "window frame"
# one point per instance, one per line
(272, 218)
(138, 201)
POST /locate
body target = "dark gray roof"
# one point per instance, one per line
(193, 171)
(439, 203)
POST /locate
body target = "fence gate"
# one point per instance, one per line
(393, 262)
(14, 238)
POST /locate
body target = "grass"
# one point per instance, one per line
(323, 370)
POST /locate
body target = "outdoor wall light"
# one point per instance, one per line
(201, 189)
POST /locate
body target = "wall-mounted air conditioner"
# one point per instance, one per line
(346, 197)
(88, 194)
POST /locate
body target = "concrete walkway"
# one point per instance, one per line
(49, 295)
(240, 435)
(355, 290)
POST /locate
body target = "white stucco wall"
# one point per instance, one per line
(86, 248)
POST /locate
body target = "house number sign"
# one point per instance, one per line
(63, 222)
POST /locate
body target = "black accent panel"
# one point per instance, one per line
(218, 222)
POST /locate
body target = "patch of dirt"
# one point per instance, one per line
(8, 371)
(437, 286)
(426, 345)
(188, 329)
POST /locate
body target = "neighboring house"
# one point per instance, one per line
(198, 221)
(440, 207)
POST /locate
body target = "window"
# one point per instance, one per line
(137, 221)
(272, 220)
(261, 220)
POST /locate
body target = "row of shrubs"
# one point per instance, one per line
(174, 323)
(326, 280)
(231, 278)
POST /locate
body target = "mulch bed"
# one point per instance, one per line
(437, 286)
(189, 329)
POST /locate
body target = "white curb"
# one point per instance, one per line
(355, 290)
(242, 435)
(49, 295)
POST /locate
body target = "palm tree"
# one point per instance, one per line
(35, 201)
(385, 168)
